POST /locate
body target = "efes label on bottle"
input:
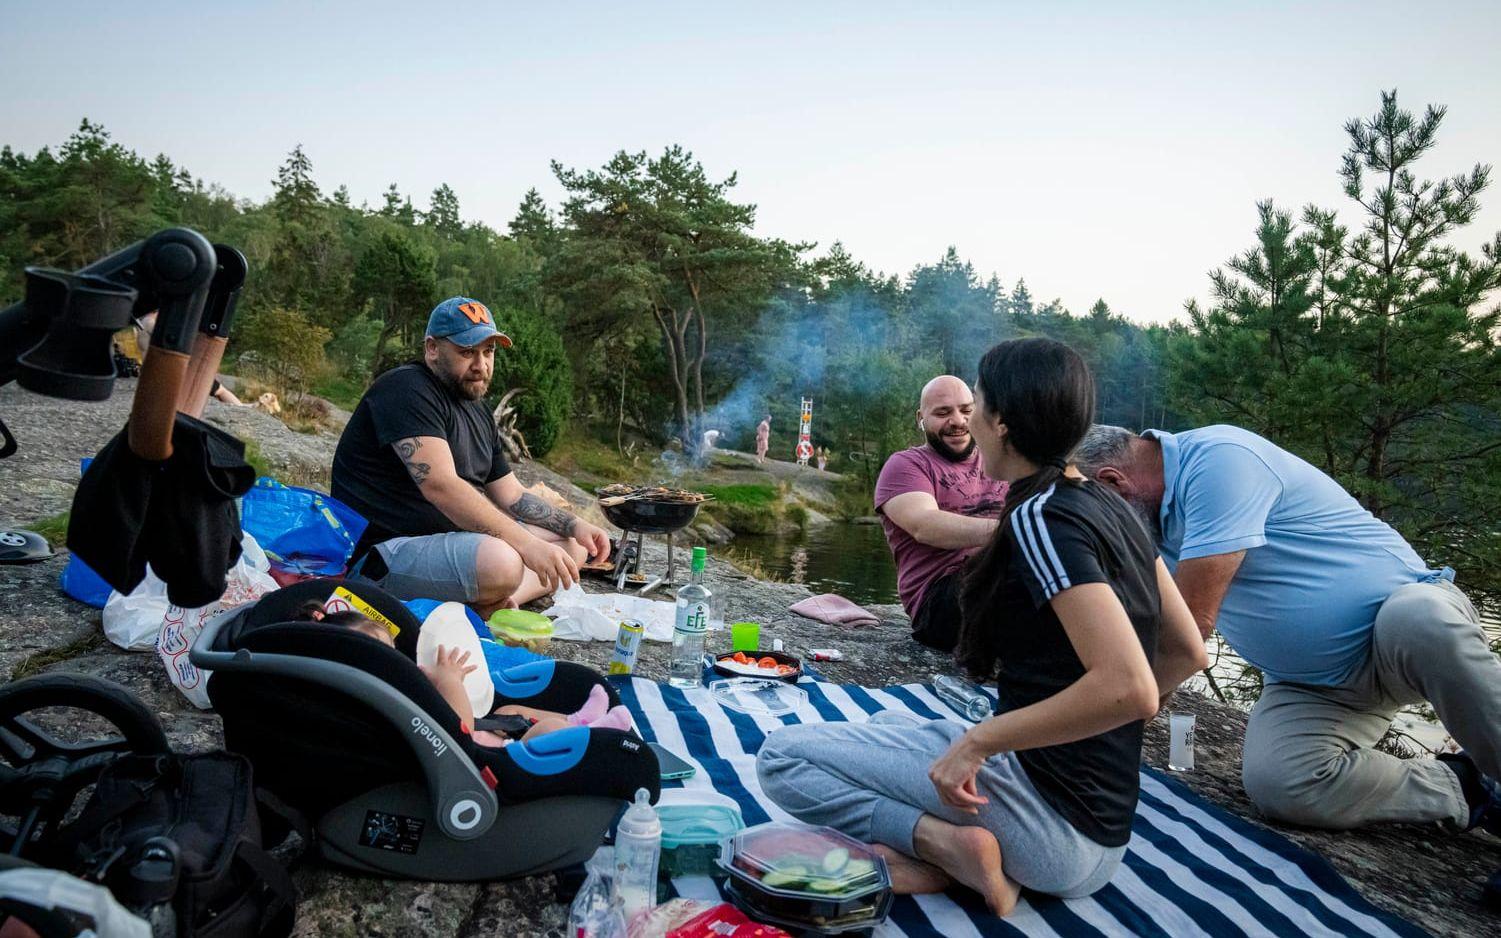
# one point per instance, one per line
(693, 617)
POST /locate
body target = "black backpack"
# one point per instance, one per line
(187, 833)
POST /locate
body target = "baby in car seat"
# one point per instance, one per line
(447, 674)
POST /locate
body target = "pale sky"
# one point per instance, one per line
(1109, 149)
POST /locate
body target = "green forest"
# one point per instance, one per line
(645, 307)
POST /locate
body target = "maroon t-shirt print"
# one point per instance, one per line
(958, 487)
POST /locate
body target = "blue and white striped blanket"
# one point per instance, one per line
(1190, 869)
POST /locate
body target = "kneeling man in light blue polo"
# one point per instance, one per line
(1344, 619)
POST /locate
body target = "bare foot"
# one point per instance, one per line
(971, 855)
(911, 876)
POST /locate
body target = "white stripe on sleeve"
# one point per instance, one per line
(1023, 538)
(1047, 542)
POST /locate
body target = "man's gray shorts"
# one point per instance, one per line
(434, 566)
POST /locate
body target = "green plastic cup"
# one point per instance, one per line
(745, 636)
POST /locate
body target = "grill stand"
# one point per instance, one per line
(630, 556)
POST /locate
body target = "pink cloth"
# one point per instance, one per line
(958, 487)
(835, 610)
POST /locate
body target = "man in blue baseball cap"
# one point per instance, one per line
(421, 459)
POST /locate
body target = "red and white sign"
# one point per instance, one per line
(805, 433)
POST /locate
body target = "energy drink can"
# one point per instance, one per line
(627, 647)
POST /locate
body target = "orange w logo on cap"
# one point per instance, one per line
(476, 312)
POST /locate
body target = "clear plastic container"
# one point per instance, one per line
(521, 628)
(695, 824)
(812, 878)
(758, 696)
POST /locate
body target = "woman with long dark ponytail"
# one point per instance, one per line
(1076, 618)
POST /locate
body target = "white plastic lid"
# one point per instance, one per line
(758, 696)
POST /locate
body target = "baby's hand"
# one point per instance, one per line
(451, 665)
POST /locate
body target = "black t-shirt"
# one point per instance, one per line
(369, 477)
(1069, 534)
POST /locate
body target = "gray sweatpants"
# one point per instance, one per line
(1308, 756)
(870, 780)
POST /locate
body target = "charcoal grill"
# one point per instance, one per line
(645, 515)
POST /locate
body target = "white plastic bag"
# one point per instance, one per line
(179, 627)
(583, 617)
(133, 622)
(595, 912)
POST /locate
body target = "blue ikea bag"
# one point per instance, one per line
(78, 579)
(301, 530)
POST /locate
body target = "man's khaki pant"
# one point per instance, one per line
(1308, 756)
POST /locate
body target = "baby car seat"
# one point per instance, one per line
(353, 734)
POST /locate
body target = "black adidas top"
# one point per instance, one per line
(1068, 534)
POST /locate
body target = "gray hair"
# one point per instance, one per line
(1104, 445)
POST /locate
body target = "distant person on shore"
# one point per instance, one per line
(1075, 616)
(1345, 620)
(823, 458)
(763, 438)
(421, 459)
(937, 507)
(224, 395)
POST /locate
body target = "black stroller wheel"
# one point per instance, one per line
(41, 774)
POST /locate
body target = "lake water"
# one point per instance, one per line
(853, 561)
(849, 559)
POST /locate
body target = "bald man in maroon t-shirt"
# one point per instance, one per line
(937, 507)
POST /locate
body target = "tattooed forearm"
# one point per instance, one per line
(407, 450)
(530, 509)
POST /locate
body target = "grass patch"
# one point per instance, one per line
(747, 496)
(852, 498)
(590, 463)
(42, 660)
(256, 459)
(54, 529)
(719, 460)
(341, 390)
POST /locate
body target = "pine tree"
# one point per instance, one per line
(296, 196)
(533, 219)
(397, 277)
(1373, 355)
(1021, 300)
(957, 311)
(392, 202)
(307, 271)
(443, 213)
